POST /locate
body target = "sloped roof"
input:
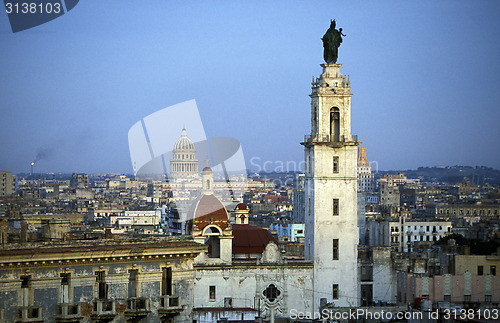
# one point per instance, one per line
(250, 239)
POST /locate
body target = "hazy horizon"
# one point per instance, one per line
(424, 77)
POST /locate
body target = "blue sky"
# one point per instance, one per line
(425, 78)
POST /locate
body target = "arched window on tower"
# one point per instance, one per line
(334, 124)
(213, 242)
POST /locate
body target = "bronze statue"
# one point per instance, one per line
(331, 43)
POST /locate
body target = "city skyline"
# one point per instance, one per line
(423, 75)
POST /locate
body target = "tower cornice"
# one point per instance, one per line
(331, 82)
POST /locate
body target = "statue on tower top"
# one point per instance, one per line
(331, 43)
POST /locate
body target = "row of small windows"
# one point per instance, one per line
(428, 228)
(467, 298)
(425, 238)
(469, 212)
(184, 156)
(103, 285)
(493, 270)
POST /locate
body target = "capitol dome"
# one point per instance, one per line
(184, 165)
(184, 143)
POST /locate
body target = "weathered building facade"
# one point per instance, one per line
(98, 281)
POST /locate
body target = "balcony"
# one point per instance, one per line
(169, 304)
(104, 310)
(67, 313)
(29, 314)
(138, 307)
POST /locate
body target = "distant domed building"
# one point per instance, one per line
(184, 164)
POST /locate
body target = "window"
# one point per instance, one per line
(65, 288)
(132, 283)
(271, 293)
(479, 270)
(335, 250)
(25, 281)
(335, 291)
(102, 287)
(467, 298)
(166, 281)
(65, 278)
(100, 276)
(335, 208)
(211, 293)
(335, 164)
(487, 298)
(493, 270)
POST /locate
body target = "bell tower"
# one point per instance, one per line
(331, 233)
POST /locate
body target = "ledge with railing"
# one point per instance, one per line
(329, 139)
(68, 312)
(29, 314)
(170, 303)
(138, 306)
(103, 308)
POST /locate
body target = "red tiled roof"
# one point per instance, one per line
(242, 206)
(275, 198)
(250, 239)
(209, 210)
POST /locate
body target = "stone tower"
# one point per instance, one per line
(331, 233)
